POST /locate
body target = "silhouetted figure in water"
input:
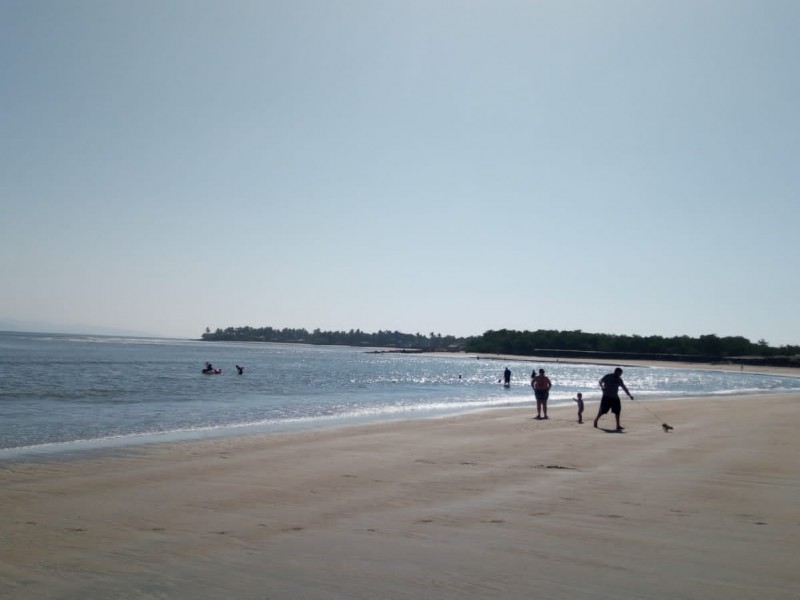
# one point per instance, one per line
(240, 369)
(507, 377)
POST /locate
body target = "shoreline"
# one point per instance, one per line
(77, 449)
(752, 369)
(82, 449)
(484, 504)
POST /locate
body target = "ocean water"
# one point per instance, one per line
(66, 393)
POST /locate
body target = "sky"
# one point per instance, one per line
(447, 166)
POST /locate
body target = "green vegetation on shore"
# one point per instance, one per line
(573, 344)
(355, 337)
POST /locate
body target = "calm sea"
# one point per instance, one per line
(64, 393)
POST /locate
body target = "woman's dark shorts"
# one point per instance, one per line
(541, 394)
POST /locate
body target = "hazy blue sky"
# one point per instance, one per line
(613, 166)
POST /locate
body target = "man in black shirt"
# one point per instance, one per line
(610, 401)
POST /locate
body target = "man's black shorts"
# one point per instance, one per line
(610, 403)
(541, 394)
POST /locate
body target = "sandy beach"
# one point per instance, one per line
(487, 505)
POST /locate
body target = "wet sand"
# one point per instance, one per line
(487, 505)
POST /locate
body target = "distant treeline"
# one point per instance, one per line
(354, 337)
(532, 343)
(578, 343)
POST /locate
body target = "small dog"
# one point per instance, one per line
(667, 428)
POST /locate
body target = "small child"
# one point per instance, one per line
(579, 400)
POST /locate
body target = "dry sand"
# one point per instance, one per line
(485, 505)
